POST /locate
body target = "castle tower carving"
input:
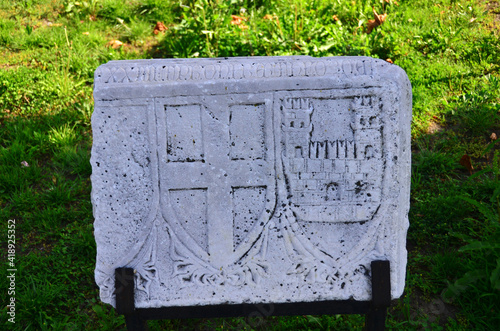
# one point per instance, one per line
(333, 173)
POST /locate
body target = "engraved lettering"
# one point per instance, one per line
(289, 69)
(170, 73)
(335, 68)
(158, 73)
(268, 70)
(238, 71)
(309, 69)
(144, 74)
(164, 73)
(151, 73)
(320, 68)
(197, 72)
(225, 72)
(132, 73)
(185, 72)
(359, 68)
(347, 67)
(177, 70)
(209, 71)
(217, 71)
(247, 71)
(298, 69)
(259, 70)
(119, 75)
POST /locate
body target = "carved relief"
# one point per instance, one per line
(334, 173)
(253, 180)
(226, 185)
(193, 271)
(143, 259)
(332, 168)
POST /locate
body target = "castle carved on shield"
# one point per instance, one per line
(333, 157)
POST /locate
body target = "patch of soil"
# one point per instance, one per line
(493, 8)
(434, 128)
(427, 312)
(435, 310)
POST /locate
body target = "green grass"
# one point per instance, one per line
(49, 50)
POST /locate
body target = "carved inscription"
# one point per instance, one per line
(224, 70)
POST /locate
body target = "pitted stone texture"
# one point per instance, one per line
(250, 180)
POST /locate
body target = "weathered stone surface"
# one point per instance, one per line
(248, 180)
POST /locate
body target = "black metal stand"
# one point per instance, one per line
(375, 310)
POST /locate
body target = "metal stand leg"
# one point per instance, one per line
(381, 296)
(125, 305)
(135, 323)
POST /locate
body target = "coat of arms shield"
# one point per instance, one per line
(217, 178)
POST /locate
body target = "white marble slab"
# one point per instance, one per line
(250, 180)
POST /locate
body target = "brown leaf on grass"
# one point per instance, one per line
(159, 27)
(466, 162)
(372, 24)
(115, 44)
(493, 136)
(268, 17)
(237, 20)
(335, 18)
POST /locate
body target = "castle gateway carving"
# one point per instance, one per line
(249, 180)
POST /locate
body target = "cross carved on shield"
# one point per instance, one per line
(220, 155)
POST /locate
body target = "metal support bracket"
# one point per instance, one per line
(375, 311)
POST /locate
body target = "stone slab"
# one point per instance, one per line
(250, 180)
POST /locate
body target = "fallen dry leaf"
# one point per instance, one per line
(372, 24)
(237, 20)
(159, 27)
(493, 136)
(335, 18)
(115, 43)
(268, 17)
(466, 162)
(390, 61)
(85, 33)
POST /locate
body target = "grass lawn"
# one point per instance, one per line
(49, 50)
